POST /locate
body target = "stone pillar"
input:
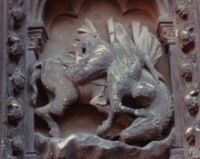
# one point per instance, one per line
(166, 32)
(3, 77)
(37, 38)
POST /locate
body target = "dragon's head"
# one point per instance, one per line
(86, 41)
(87, 37)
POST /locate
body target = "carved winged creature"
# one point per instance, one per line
(133, 72)
(66, 77)
(124, 74)
(108, 72)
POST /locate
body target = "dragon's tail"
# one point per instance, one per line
(35, 75)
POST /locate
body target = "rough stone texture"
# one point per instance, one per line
(89, 146)
(121, 109)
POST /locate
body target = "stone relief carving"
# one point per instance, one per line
(187, 39)
(15, 50)
(15, 79)
(182, 9)
(18, 16)
(102, 144)
(191, 136)
(17, 145)
(15, 112)
(186, 72)
(109, 72)
(166, 33)
(192, 102)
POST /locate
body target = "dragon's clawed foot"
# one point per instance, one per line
(54, 132)
(142, 113)
(99, 101)
(106, 125)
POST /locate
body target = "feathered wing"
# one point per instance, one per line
(130, 49)
(125, 53)
(146, 42)
(144, 46)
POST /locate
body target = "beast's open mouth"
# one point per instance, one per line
(71, 52)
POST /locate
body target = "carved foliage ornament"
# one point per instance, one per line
(127, 67)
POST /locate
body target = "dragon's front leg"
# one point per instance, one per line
(113, 111)
(116, 91)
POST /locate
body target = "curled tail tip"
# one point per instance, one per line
(34, 100)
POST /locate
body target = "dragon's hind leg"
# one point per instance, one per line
(144, 128)
(43, 112)
(65, 95)
(116, 91)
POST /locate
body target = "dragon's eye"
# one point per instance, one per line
(83, 50)
(77, 40)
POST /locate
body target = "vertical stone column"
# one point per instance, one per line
(37, 38)
(3, 77)
(166, 32)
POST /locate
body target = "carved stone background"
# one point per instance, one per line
(35, 30)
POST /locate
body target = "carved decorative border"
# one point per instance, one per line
(188, 53)
(15, 79)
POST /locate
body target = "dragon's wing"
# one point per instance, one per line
(87, 27)
(126, 42)
(146, 42)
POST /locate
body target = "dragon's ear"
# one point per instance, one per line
(87, 27)
(147, 41)
(111, 30)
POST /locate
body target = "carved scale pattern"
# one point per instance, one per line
(16, 79)
(185, 21)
